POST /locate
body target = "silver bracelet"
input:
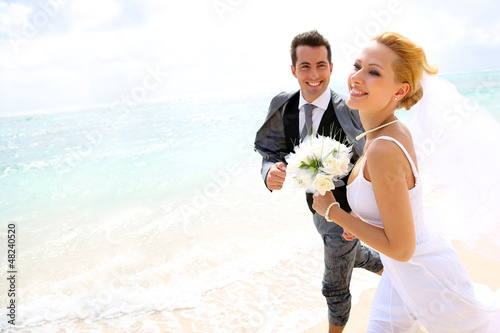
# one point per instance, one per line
(327, 213)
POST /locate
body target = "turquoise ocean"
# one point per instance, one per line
(153, 217)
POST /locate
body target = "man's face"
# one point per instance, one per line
(312, 70)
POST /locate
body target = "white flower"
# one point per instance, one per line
(330, 145)
(332, 166)
(318, 162)
(304, 179)
(323, 183)
(303, 155)
(345, 164)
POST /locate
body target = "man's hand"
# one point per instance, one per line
(276, 176)
(347, 234)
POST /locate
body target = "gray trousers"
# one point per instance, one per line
(341, 256)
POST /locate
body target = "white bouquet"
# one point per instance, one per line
(318, 163)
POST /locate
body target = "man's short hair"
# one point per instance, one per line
(310, 38)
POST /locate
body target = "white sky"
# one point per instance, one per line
(67, 53)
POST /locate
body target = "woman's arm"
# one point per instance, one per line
(389, 172)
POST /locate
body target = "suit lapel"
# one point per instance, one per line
(348, 120)
(291, 122)
(329, 125)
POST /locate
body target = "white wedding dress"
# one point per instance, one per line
(432, 288)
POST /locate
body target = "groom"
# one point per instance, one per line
(286, 118)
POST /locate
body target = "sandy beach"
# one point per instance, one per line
(480, 269)
(260, 304)
(287, 296)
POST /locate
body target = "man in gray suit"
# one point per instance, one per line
(312, 66)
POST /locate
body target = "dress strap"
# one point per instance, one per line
(389, 138)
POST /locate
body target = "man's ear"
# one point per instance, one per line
(293, 70)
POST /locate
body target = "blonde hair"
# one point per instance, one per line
(409, 65)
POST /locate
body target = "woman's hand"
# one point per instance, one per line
(321, 202)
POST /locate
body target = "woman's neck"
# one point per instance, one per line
(372, 121)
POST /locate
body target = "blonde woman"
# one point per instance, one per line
(424, 281)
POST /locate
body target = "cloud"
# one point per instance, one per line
(62, 53)
(11, 18)
(94, 15)
(488, 34)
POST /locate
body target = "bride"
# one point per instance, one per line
(424, 281)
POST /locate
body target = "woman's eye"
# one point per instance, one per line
(358, 67)
(374, 73)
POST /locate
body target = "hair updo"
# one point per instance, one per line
(409, 65)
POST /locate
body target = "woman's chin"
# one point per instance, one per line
(351, 103)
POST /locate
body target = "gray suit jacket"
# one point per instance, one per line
(270, 140)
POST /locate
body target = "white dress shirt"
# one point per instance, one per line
(320, 106)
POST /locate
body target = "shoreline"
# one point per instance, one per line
(252, 263)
